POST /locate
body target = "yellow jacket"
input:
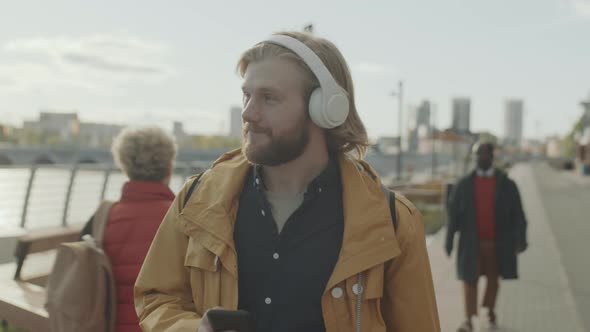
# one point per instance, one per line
(192, 263)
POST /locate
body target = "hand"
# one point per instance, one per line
(521, 248)
(205, 325)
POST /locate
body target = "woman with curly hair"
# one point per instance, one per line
(146, 156)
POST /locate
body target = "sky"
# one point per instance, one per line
(153, 62)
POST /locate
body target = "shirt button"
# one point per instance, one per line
(275, 255)
(263, 213)
(320, 189)
(257, 181)
(337, 292)
(268, 300)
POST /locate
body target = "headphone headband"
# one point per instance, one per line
(315, 64)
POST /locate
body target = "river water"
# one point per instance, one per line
(48, 195)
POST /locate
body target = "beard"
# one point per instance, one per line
(277, 150)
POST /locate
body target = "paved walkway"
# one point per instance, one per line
(552, 293)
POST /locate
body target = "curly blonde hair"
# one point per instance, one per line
(144, 153)
(350, 137)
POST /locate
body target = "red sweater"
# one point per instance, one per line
(485, 203)
(132, 225)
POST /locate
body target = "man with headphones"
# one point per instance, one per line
(292, 231)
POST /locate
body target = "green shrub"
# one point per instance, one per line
(434, 215)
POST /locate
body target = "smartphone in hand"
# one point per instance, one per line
(231, 320)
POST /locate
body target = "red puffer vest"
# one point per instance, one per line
(132, 225)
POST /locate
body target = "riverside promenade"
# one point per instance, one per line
(553, 292)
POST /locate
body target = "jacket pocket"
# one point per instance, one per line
(197, 256)
(205, 276)
(371, 284)
(344, 301)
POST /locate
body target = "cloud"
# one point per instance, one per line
(582, 7)
(103, 53)
(374, 68)
(100, 63)
(33, 78)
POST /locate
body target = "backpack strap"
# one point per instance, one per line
(99, 221)
(191, 189)
(390, 195)
(111, 301)
(99, 224)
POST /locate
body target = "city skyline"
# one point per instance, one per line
(513, 120)
(126, 63)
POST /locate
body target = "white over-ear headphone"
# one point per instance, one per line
(328, 104)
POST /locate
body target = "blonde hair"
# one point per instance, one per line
(144, 153)
(348, 138)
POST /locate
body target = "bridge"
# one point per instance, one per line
(26, 155)
(29, 155)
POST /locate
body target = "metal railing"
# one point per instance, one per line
(53, 195)
(38, 196)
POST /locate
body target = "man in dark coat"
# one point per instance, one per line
(486, 210)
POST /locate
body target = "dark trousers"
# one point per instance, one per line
(488, 267)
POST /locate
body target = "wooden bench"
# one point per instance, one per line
(42, 240)
(22, 304)
(22, 294)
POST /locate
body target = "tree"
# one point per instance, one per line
(569, 142)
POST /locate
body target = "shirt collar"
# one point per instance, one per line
(329, 177)
(487, 174)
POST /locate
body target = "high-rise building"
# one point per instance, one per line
(235, 121)
(178, 131)
(423, 114)
(419, 125)
(513, 114)
(461, 115)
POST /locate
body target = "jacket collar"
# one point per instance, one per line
(368, 240)
(369, 237)
(135, 190)
(495, 172)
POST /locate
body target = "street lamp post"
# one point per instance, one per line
(399, 94)
(586, 115)
(433, 137)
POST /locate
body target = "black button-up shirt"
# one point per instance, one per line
(282, 276)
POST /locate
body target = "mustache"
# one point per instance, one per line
(249, 127)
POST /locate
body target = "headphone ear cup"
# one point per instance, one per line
(337, 110)
(317, 108)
